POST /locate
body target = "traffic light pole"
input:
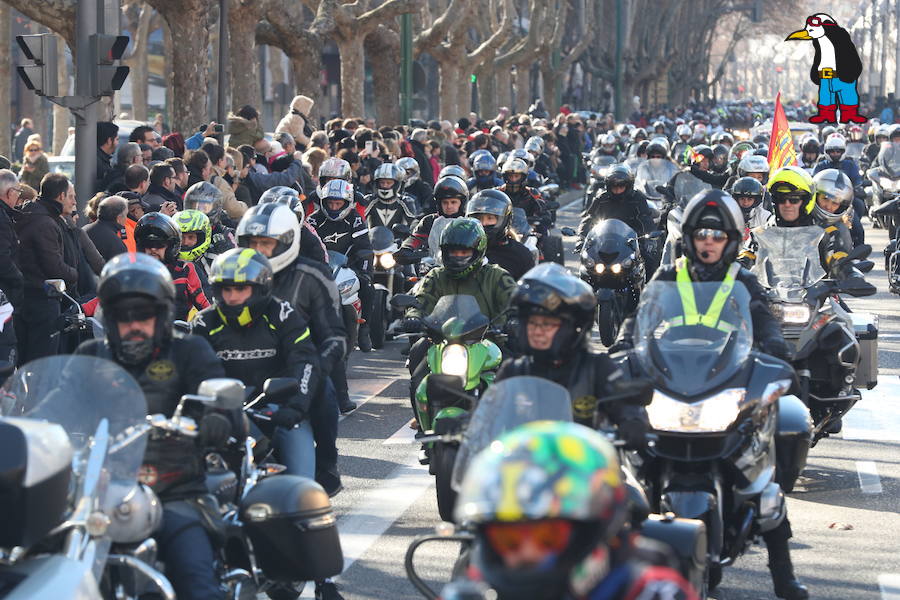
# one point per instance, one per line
(86, 118)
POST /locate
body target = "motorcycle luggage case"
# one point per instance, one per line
(685, 537)
(865, 325)
(292, 526)
(35, 469)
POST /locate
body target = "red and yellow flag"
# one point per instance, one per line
(781, 144)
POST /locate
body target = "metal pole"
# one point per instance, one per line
(86, 122)
(620, 32)
(406, 68)
(221, 110)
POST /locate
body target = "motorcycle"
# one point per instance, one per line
(461, 365)
(718, 409)
(652, 173)
(521, 230)
(550, 195)
(684, 187)
(348, 287)
(885, 180)
(73, 447)
(388, 280)
(510, 403)
(600, 166)
(816, 323)
(76, 327)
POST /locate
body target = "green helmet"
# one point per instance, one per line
(463, 234)
(242, 266)
(194, 221)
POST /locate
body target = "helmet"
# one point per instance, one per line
(477, 153)
(285, 195)
(136, 287)
(334, 168)
(700, 152)
(893, 131)
(515, 166)
(753, 163)
(410, 168)
(793, 181)
(451, 187)
(389, 172)
(658, 146)
(524, 155)
(549, 289)
(485, 169)
(712, 209)
(463, 234)
(856, 133)
(827, 131)
(720, 158)
(206, 198)
(194, 221)
(883, 130)
(491, 202)
(456, 170)
(659, 127)
(276, 221)
(607, 142)
(156, 230)
(535, 145)
(748, 187)
(834, 185)
(811, 146)
(723, 137)
(544, 470)
(620, 174)
(737, 152)
(337, 189)
(835, 143)
(242, 266)
(639, 134)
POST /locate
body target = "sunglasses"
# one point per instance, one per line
(787, 199)
(550, 536)
(717, 235)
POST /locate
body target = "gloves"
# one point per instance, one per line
(777, 348)
(634, 433)
(411, 325)
(214, 430)
(287, 417)
(620, 345)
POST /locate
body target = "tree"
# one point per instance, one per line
(139, 19)
(383, 48)
(56, 15)
(243, 17)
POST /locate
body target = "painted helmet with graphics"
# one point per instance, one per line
(242, 267)
(196, 222)
(410, 169)
(557, 484)
(463, 234)
(273, 220)
(334, 168)
(551, 290)
(337, 189)
(388, 172)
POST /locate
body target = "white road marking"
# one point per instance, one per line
(869, 481)
(363, 390)
(404, 435)
(877, 416)
(889, 583)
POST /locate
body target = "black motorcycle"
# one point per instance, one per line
(718, 413)
(885, 180)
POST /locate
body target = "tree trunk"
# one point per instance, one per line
(307, 67)
(449, 88)
(353, 73)
(189, 70)
(5, 75)
(60, 114)
(242, 20)
(278, 78)
(550, 79)
(383, 48)
(502, 82)
(139, 75)
(487, 91)
(167, 68)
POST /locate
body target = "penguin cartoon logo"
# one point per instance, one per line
(836, 68)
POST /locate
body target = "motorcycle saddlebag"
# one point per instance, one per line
(686, 539)
(35, 469)
(292, 527)
(865, 325)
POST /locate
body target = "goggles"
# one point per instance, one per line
(549, 537)
(717, 235)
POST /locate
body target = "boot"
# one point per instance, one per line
(849, 114)
(827, 114)
(364, 341)
(784, 581)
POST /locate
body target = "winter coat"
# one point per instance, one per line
(295, 122)
(106, 237)
(42, 233)
(243, 131)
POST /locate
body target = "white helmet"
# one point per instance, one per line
(272, 220)
(410, 168)
(683, 130)
(752, 163)
(337, 189)
(335, 168)
(392, 172)
(835, 142)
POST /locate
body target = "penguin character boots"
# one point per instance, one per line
(849, 114)
(827, 114)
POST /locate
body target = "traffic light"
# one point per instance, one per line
(41, 76)
(106, 77)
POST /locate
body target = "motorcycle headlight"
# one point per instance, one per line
(455, 361)
(797, 314)
(714, 414)
(600, 268)
(616, 268)
(345, 287)
(386, 260)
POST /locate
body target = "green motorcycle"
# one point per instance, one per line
(461, 365)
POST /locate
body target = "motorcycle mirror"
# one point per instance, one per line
(856, 286)
(567, 231)
(277, 388)
(182, 326)
(445, 534)
(404, 301)
(662, 190)
(222, 392)
(401, 230)
(55, 287)
(865, 265)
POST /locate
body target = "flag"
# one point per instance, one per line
(781, 144)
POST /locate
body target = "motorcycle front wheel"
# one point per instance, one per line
(607, 322)
(443, 459)
(376, 319)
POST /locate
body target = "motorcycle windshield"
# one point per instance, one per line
(854, 150)
(604, 160)
(687, 186)
(456, 315)
(434, 238)
(382, 238)
(506, 405)
(686, 353)
(80, 393)
(653, 172)
(336, 260)
(609, 240)
(519, 223)
(787, 260)
(889, 159)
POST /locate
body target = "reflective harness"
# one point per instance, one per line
(689, 304)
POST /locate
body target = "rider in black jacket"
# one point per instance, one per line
(450, 194)
(258, 336)
(386, 206)
(493, 209)
(137, 297)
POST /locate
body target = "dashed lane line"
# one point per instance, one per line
(869, 481)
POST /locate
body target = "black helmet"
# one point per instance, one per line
(811, 146)
(748, 187)
(455, 170)
(492, 202)
(463, 234)
(720, 158)
(136, 287)
(156, 230)
(656, 147)
(701, 151)
(451, 187)
(620, 174)
(242, 266)
(549, 289)
(713, 209)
